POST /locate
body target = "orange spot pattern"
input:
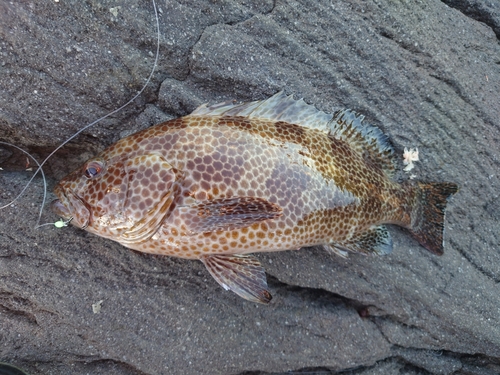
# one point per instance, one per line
(324, 191)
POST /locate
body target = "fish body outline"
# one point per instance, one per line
(231, 179)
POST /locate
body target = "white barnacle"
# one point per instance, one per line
(409, 156)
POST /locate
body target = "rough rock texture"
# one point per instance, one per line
(426, 72)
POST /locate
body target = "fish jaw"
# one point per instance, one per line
(70, 207)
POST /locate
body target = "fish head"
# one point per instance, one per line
(122, 198)
(92, 191)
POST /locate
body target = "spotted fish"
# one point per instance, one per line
(231, 179)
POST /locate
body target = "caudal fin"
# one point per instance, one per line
(428, 214)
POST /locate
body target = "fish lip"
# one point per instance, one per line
(69, 203)
(60, 209)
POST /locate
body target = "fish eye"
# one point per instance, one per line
(93, 169)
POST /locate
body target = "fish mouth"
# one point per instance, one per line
(70, 207)
(60, 209)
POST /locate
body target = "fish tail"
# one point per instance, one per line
(427, 214)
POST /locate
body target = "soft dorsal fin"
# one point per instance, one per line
(366, 139)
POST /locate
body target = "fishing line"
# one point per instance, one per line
(40, 165)
(27, 185)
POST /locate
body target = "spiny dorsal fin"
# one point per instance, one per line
(367, 140)
(278, 107)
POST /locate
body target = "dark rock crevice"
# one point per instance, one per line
(487, 12)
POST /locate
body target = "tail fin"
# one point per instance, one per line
(427, 216)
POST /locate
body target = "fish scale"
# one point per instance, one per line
(234, 179)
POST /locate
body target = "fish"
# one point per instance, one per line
(233, 179)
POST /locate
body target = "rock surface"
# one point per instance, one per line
(427, 73)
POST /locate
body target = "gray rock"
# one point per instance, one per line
(427, 73)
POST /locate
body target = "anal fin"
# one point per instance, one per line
(242, 274)
(376, 240)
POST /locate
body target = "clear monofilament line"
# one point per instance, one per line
(40, 165)
(39, 169)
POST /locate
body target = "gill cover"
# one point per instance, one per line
(150, 193)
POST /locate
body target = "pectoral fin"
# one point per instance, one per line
(241, 274)
(228, 213)
(376, 240)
